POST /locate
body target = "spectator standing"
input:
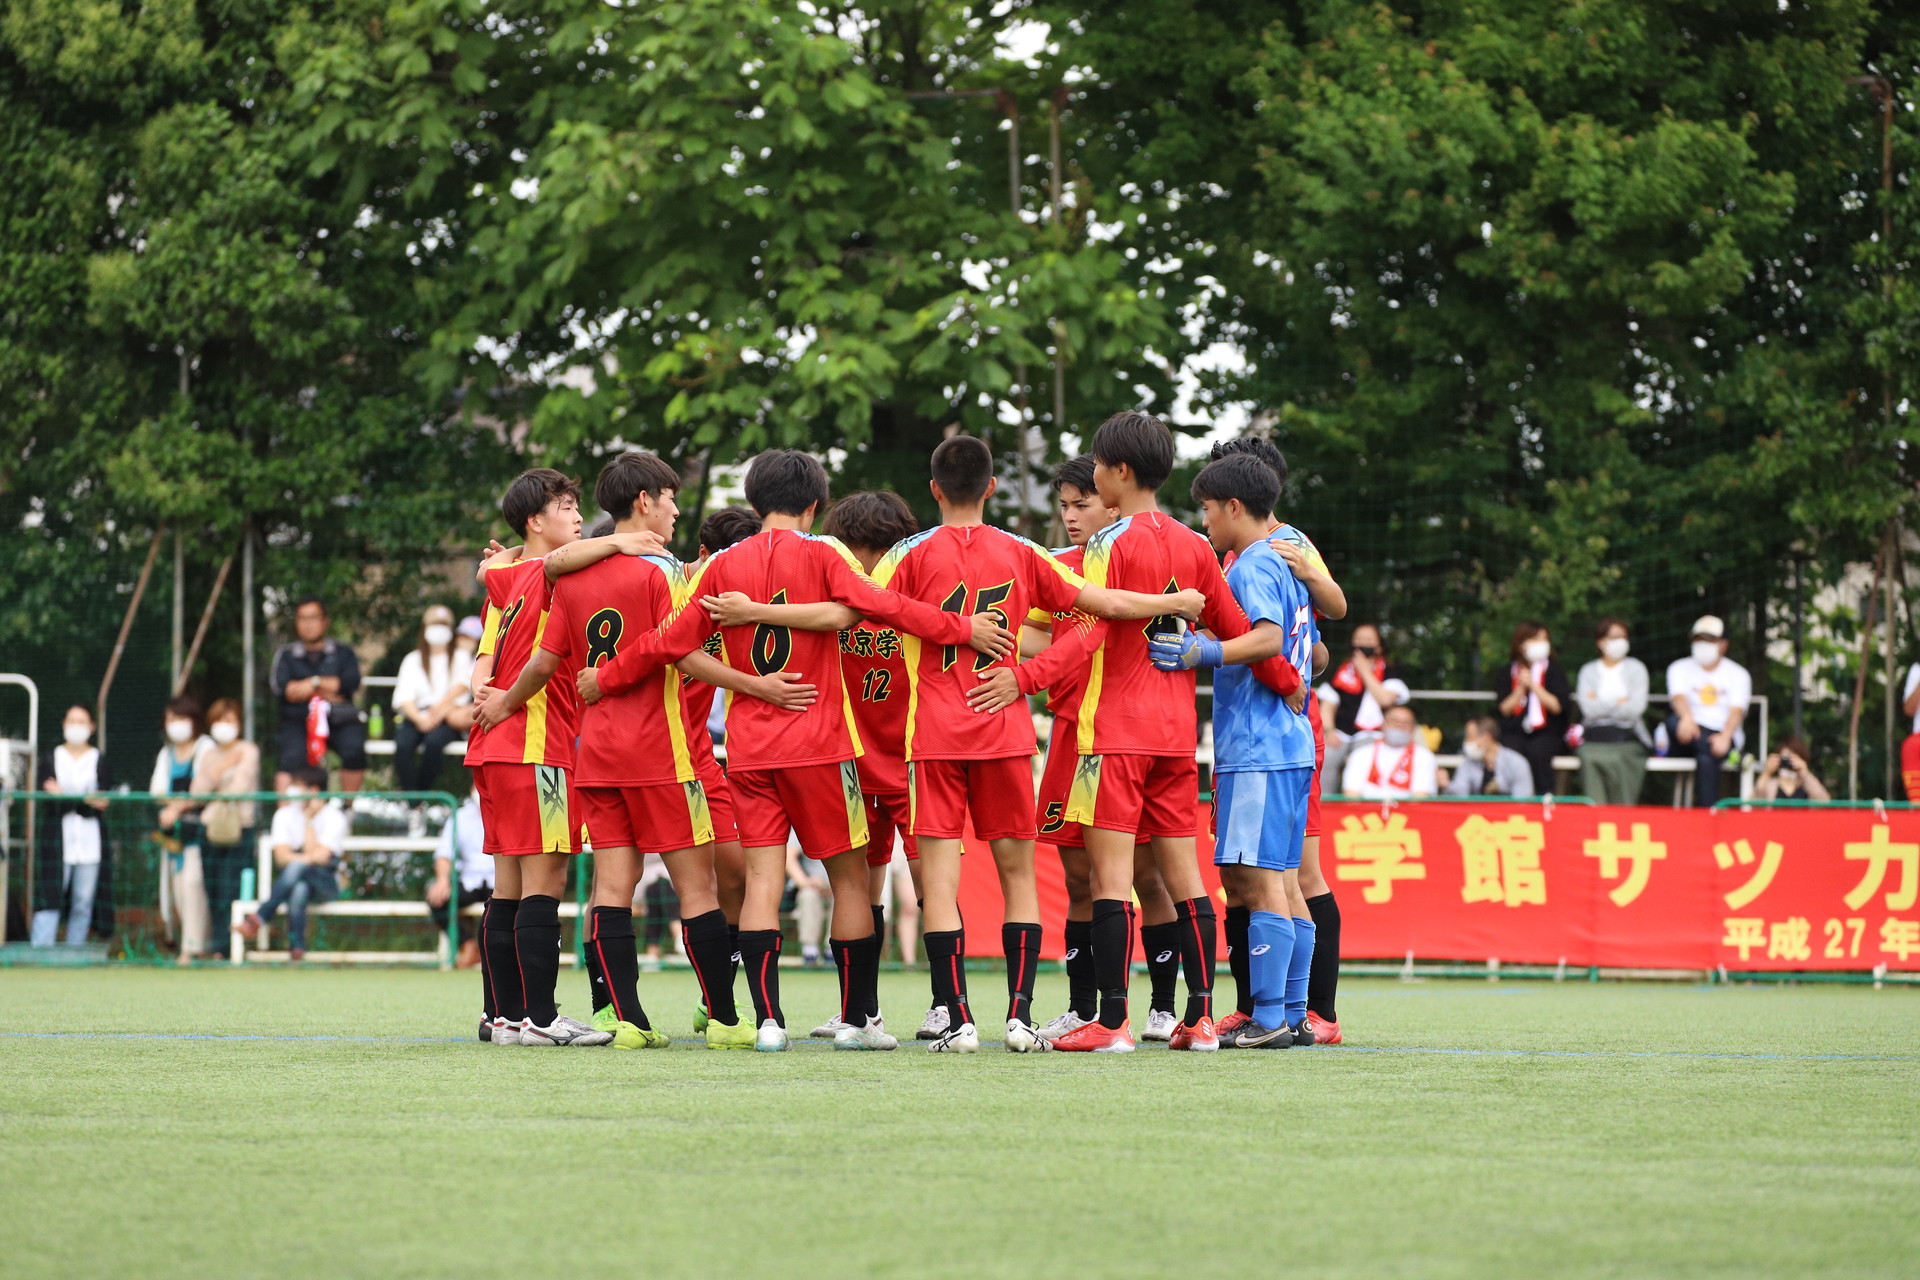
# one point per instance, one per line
(314, 679)
(813, 898)
(1910, 749)
(173, 773)
(1534, 704)
(1393, 766)
(73, 854)
(1354, 703)
(1487, 768)
(1788, 776)
(231, 767)
(434, 676)
(462, 851)
(1710, 693)
(309, 844)
(466, 643)
(1612, 693)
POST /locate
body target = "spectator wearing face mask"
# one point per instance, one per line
(179, 822)
(1709, 693)
(434, 676)
(230, 768)
(1486, 767)
(1394, 766)
(73, 836)
(1354, 702)
(1787, 776)
(1612, 693)
(1534, 704)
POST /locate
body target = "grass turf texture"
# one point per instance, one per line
(1585, 1131)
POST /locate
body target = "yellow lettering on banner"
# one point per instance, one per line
(1639, 853)
(1377, 852)
(1744, 933)
(1502, 860)
(1900, 938)
(1741, 852)
(1787, 940)
(1878, 851)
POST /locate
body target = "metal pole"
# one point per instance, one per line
(206, 619)
(1799, 643)
(120, 644)
(1055, 184)
(179, 606)
(246, 628)
(1012, 110)
(1892, 765)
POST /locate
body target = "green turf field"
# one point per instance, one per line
(1524, 1129)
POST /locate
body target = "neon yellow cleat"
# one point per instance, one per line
(700, 1019)
(740, 1035)
(625, 1034)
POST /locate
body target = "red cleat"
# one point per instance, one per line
(1324, 1032)
(1231, 1023)
(1199, 1037)
(1094, 1038)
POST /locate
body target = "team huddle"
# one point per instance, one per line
(877, 680)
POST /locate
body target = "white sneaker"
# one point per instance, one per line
(962, 1039)
(935, 1025)
(563, 1031)
(1160, 1025)
(1068, 1021)
(772, 1037)
(872, 1036)
(830, 1028)
(1024, 1037)
(501, 1031)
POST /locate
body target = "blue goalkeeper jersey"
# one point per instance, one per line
(1253, 727)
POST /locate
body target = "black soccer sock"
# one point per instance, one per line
(945, 953)
(880, 923)
(1109, 935)
(1324, 978)
(1162, 945)
(499, 971)
(760, 957)
(1021, 945)
(536, 946)
(597, 981)
(939, 973)
(843, 971)
(1199, 941)
(863, 969)
(709, 944)
(610, 941)
(1237, 918)
(733, 952)
(1083, 993)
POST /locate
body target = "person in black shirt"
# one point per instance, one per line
(1535, 703)
(316, 665)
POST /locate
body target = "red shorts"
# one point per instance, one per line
(886, 817)
(819, 803)
(1140, 795)
(657, 819)
(998, 792)
(527, 808)
(1055, 782)
(719, 802)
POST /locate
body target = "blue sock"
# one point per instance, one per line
(1297, 971)
(1269, 952)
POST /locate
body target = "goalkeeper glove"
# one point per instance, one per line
(1184, 652)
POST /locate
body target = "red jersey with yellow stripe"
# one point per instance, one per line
(873, 661)
(639, 738)
(969, 569)
(542, 730)
(1063, 694)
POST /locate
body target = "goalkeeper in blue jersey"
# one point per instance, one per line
(1263, 751)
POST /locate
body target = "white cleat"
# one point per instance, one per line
(935, 1025)
(1060, 1026)
(1161, 1025)
(830, 1028)
(772, 1037)
(962, 1039)
(872, 1036)
(1024, 1037)
(562, 1032)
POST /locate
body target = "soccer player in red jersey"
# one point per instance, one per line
(794, 773)
(975, 758)
(1136, 737)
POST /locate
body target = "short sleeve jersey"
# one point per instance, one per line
(1253, 727)
(873, 662)
(542, 730)
(967, 570)
(639, 738)
(1063, 695)
(1128, 706)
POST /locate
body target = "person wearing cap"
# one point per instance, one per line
(1709, 693)
(434, 676)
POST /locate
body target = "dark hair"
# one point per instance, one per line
(873, 521)
(184, 708)
(603, 527)
(1796, 745)
(224, 707)
(1141, 441)
(1242, 476)
(530, 493)
(308, 599)
(629, 475)
(80, 706)
(1487, 725)
(1378, 632)
(1077, 472)
(1259, 447)
(727, 526)
(786, 482)
(1607, 624)
(1523, 633)
(309, 775)
(963, 468)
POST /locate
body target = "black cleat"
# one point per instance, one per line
(1255, 1036)
(486, 1029)
(1302, 1034)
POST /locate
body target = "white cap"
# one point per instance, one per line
(1708, 625)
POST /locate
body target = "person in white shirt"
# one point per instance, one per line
(434, 679)
(1709, 693)
(1394, 766)
(1353, 701)
(309, 842)
(462, 843)
(73, 836)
